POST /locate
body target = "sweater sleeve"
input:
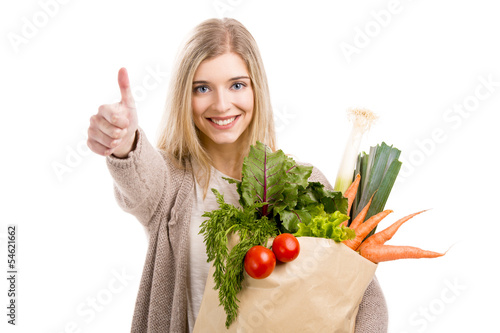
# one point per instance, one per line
(139, 179)
(372, 314)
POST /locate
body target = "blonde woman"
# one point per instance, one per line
(218, 105)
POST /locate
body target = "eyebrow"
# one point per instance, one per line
(231, 79)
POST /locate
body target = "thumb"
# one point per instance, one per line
(125, 90)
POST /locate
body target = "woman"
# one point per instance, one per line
(218, 106)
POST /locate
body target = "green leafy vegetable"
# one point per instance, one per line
(228, 264)
(275, 196)
(326, 225)
(271, 177)
(282, 185)
(308, 199)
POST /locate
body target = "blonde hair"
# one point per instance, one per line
(177, 134)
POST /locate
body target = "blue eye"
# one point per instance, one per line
(201, 89)
(238, 86)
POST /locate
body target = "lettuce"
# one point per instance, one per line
(326, 225)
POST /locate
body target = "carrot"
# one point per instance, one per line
(350, 194)
(379, 253)
(383, 236)
(364, 229)
(361, 215)
(351, 191)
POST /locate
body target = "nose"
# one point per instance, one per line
(222, 101)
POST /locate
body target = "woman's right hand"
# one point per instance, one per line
(113, 129)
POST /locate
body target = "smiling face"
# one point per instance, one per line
(222, 100)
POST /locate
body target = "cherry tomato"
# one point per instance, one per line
(259, 262)
(286, 247)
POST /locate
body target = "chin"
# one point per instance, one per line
(225, 139)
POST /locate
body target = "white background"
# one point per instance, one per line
(411, 69)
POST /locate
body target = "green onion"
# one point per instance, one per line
(361, 121)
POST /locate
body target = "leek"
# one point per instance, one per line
(378, 171)
(361, 120)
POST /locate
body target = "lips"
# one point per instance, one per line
(223, 118)
(223, 122)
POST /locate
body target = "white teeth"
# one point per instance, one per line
(223, 122)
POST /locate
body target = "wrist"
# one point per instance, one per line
(127, 147)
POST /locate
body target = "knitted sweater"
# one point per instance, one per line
(160, 196)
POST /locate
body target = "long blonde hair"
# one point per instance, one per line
(177, 134)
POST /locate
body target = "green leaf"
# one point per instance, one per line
(381, 196)
(231, 180)
(297, 174)
(263, 176)
(275, 179)
(315, 193)
(228, 274)
(361, 168)
(291, 219)
(378, 170)
(296, 180)
(326, 225)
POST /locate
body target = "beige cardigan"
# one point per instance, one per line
(160, 196)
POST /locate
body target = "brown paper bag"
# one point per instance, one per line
(320, 291)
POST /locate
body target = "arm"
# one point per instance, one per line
(372, 315)
(138, 169)
(139, 179)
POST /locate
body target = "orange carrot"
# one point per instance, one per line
(361, 215)
(350, 194)
(383, 236)
(351, 191)
(379, 253)
(364, 229)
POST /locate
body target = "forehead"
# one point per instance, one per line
(221, 68)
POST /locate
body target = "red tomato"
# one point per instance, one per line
(259, 262)
(286, 247)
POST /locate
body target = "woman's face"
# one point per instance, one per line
(222, 99)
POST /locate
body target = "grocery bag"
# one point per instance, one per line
(320, 291)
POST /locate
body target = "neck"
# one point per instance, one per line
(227, 158)
(230, 165)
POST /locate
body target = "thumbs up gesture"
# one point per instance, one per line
(113, 129)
